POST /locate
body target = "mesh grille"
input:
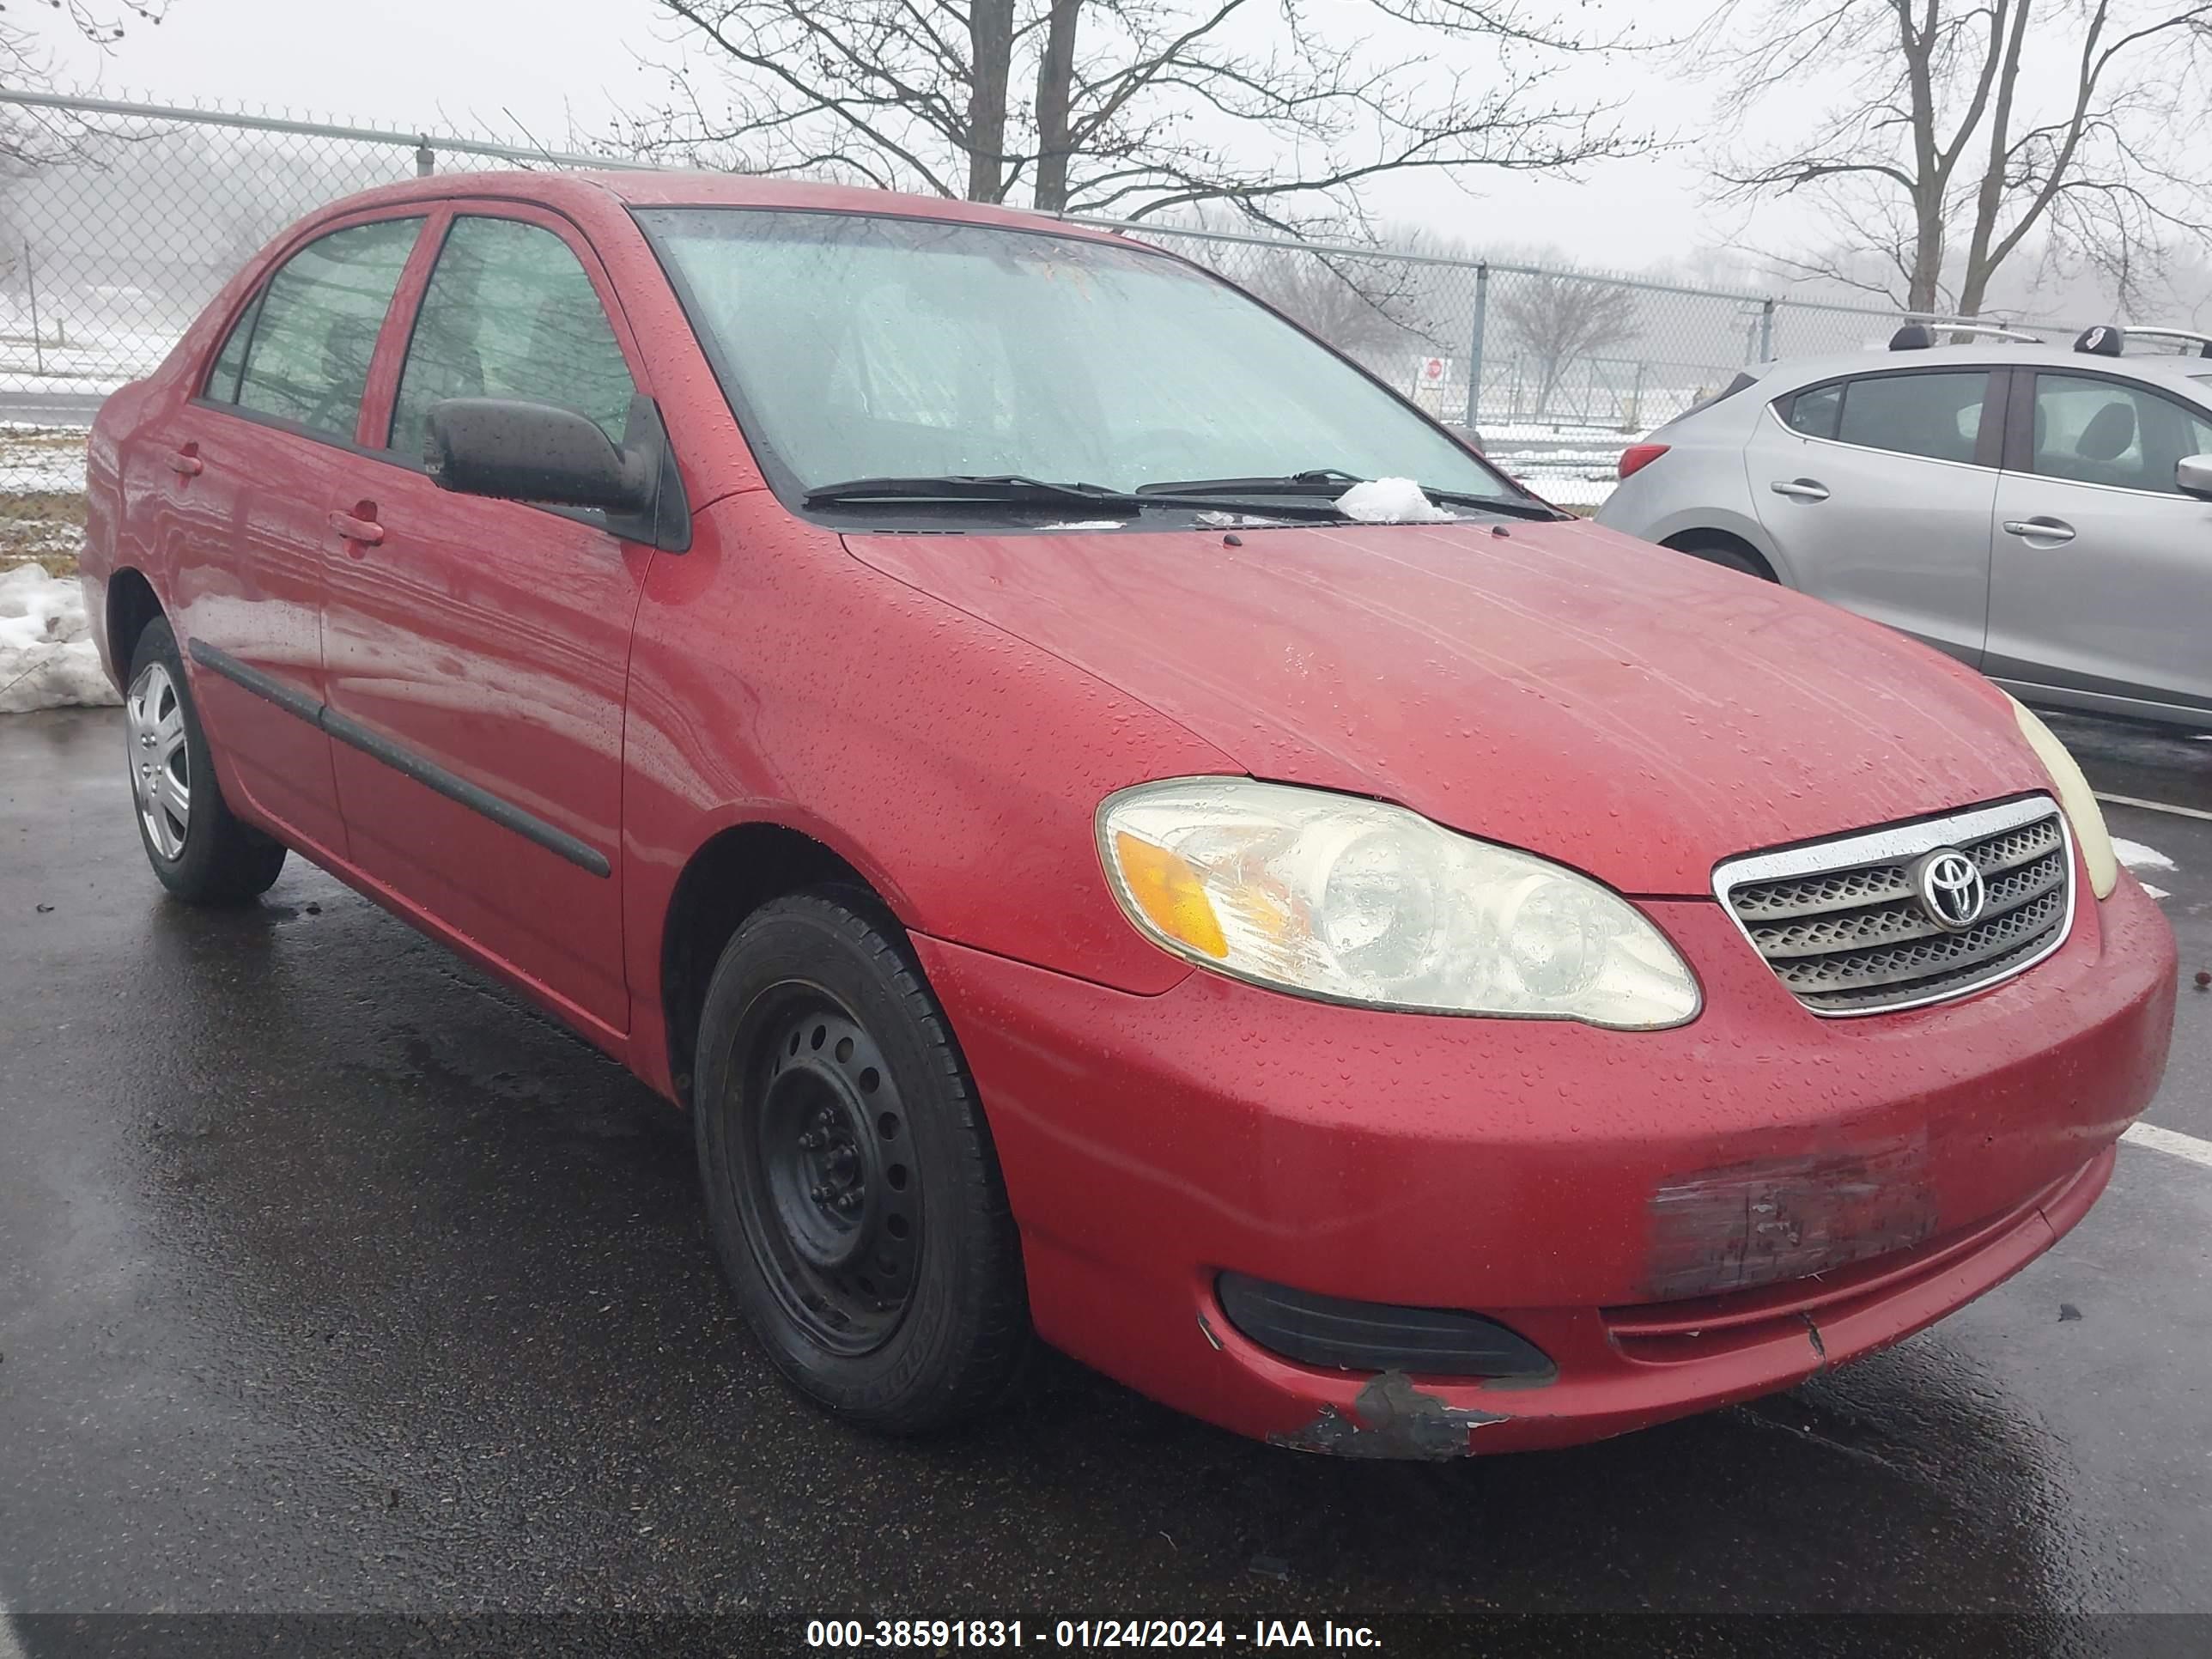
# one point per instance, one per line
(1856, 937)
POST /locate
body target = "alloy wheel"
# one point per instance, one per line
(161, 759)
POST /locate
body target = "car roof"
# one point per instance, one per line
(651, 187)
(2184, 374)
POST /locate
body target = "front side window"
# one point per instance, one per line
(307, 356)
(859, 347)
(510, 312)
(2108, 432)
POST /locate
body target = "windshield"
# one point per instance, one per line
(856, 347)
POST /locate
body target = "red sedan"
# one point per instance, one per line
(1117, 828)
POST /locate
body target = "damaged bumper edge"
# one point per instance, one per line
(1391, 1418)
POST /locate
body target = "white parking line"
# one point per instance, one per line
(2157, 806)
(2168, 1141)
(9, 1647)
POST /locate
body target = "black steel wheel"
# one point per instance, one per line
(851, 1186)
(830, 1202)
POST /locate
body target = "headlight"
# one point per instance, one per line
(1352, 900)
(2074, 795)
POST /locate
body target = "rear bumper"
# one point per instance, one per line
(1651, 1209)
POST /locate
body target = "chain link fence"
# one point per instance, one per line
(1557, 369)
(118, 221)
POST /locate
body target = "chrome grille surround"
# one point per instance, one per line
(1841, 927)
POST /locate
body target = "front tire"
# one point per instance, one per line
(199, 848)
(851, 1186)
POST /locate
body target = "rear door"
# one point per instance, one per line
(245, 475)
(1877, 490)
(2101, 581)
(478, 650)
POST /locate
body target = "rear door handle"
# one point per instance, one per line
(185, 462)
(2040, 529)
(1800, 490)
(352, 529)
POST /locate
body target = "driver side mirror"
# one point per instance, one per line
(2192, 476)
(530, 451)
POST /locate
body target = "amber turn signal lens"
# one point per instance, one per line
(1167, 889)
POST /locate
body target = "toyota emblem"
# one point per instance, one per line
(1950, 886)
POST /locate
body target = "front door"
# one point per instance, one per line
(2101, 581)
(1877, 492)
(477, 651)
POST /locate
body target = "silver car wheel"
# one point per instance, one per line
(161, 762)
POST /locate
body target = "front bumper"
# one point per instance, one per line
(1649, 1208)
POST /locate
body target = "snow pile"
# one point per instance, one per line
(47, 659)
(1391, 500)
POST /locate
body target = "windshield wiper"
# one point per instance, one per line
(958, 487)
(1331, 482)
(1012, 489)
(1321, 481)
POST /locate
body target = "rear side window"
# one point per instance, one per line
(310, 338)
(2098, 431)
(222, 378)
(1937, 413)
(510, 312)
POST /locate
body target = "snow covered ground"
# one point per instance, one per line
(1569, 465)
(40, 460)
(95, 354)
(47, 659)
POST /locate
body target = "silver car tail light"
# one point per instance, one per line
(1912, 914)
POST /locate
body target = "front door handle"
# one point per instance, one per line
(354, 528)
(1800, 490)
(2040, 529)
(185, 462)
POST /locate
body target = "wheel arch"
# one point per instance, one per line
(737, 869)
(131, 603)
(1690, 541)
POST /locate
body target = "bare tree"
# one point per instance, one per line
(1361, 306)
(1561, 320)
(1131, 107)
(1965, 128)
(27, 136)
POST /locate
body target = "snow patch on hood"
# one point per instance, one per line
(1391, 500)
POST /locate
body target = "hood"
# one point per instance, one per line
(1635, 713)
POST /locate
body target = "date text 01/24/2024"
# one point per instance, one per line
(942, 1634)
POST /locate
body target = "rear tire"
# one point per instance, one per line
(851, 1186)
(1728, 554)
(199, 849)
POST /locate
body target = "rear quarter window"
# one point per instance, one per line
(1814, 411)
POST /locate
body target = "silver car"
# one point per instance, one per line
(2042, 514)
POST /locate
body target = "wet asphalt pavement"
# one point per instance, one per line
(331, 1278)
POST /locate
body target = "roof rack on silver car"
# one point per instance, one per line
(1919, 335)
(2185, 337)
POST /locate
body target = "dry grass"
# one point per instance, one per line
(44, 527)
